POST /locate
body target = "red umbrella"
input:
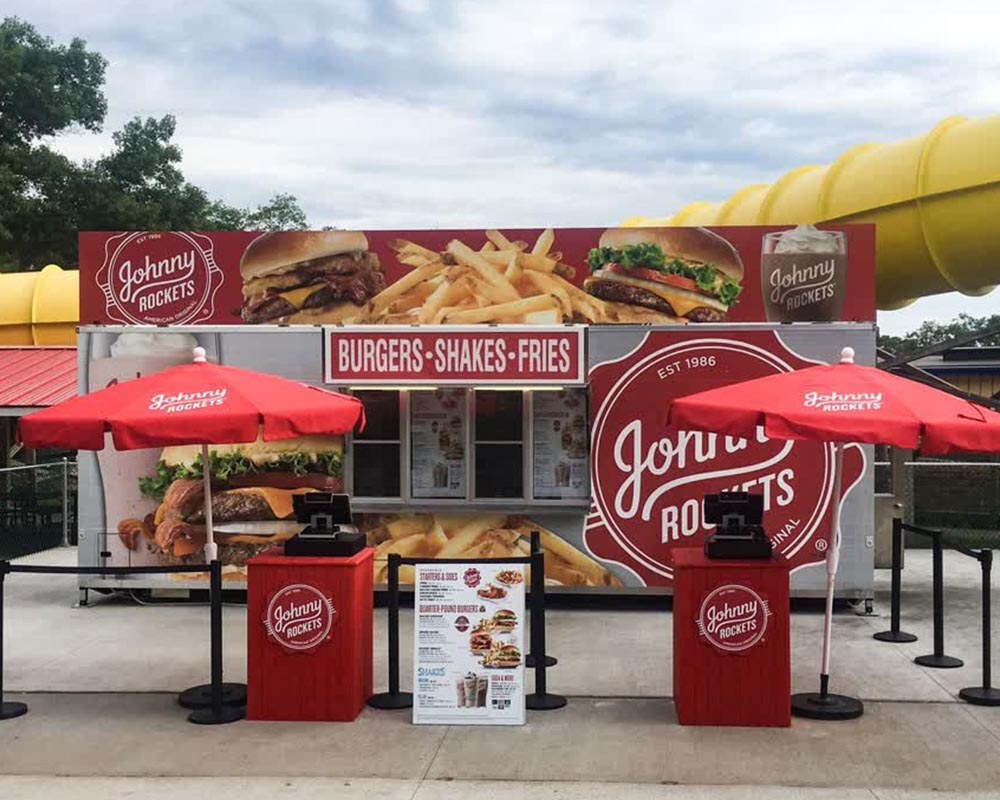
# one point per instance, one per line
(204, 404)
(197, 403)
(841, 403)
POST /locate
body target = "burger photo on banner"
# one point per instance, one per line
(251, 483)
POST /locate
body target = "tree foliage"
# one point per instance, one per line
(933, 332)
(45, 198)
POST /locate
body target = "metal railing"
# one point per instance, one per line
(38, 507)
(953, 495)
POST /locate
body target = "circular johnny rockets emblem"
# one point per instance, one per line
(159, 278)
(299, 618)
(733, 618)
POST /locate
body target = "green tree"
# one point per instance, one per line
(932, 332)
(45, 199)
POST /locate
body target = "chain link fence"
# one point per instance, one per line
(37, 507)
(960, 496)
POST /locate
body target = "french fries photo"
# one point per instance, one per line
(475, 536)
(496, 281)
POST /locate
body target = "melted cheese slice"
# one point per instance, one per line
(280, 500)
(298, 296)
(681, 301)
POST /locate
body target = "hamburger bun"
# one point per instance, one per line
(274, 253)
(697, 245)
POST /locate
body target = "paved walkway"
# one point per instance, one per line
(617, 738)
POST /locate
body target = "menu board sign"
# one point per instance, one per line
(468, 636)
(559, 432)
(494, 355)
(437, 443)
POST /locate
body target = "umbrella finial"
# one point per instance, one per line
(847, 355)
(199, 355)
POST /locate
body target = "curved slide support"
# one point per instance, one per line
(935, 199)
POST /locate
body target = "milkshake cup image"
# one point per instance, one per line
(460, 692)
(482, 683)
(471, 689)
(803, 275)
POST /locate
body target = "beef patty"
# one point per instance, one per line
(615, 292)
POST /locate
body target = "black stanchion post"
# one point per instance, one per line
(8, 710)
(216, 713)
(540, 700)
(937, 659)
(984, 695)
(529, 662)
(393, 699)
(894, 634)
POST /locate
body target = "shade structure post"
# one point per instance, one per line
(824, 704)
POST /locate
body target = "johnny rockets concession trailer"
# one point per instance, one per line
(513, 381)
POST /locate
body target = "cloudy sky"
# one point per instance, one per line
(420, 113)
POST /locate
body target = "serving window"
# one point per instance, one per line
(461, 445)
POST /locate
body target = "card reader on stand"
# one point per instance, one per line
(327, 517)
(739, 534)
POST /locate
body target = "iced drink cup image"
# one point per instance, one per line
(803, 275)
(471, 688)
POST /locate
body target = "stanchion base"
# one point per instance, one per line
(11, 710)
(813, 705)
(205, 716)
(233, 694)
(544, 702)
(550, 661)
(389, 701)
(981, 695)
(939, 662)
(899, 637)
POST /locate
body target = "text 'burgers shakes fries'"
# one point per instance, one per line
(473, 536)
(498, 281)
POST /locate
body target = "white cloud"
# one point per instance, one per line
(422, 113)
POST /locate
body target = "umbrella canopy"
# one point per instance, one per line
(195, 403)
(844, 402)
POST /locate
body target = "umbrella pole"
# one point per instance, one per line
(824, 705)
(216, 712)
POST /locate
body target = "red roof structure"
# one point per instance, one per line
(35, 377)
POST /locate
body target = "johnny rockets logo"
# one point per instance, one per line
(165, 278)
(299, 618)
(648, 481)
(733, 618)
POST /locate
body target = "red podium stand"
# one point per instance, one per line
(309, 637)
(731, 641)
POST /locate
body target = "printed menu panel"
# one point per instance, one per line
(559, 429)
(437, 443)
(468, 663)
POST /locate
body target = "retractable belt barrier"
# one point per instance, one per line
(212, 704)
(540, 699)
(985, 694)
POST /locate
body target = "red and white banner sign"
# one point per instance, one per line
(648, 481)
(455, 355)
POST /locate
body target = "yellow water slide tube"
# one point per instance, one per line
(935, 199)
(39, 308)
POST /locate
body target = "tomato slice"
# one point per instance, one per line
(677, 281)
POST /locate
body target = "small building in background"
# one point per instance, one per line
(975, 370)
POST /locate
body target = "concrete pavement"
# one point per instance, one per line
(100, 684)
